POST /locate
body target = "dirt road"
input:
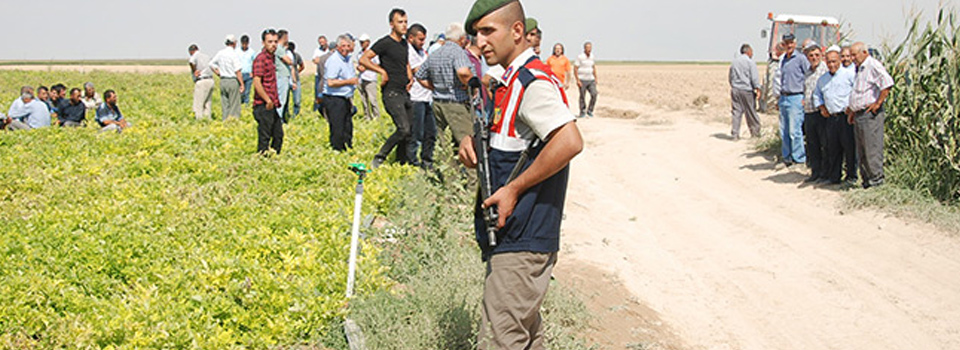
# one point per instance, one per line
(731, 252)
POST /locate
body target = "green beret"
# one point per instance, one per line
(482, 8)
(531, 24)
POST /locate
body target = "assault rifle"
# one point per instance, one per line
(481, 146)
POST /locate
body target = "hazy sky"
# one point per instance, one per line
(619, 29)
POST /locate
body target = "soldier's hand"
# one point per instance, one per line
(467, 155)
(505, 199)
(270, 105)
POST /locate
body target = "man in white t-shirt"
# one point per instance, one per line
(586, 79)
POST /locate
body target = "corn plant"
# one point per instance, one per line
(923, 121)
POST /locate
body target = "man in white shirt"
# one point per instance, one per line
(202, 83)
(226, 64)
(368, 83)
(586, 79)
(424, 125)
(27, 112)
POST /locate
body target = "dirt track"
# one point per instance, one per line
(731, 252)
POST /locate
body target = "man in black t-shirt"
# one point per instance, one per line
(396, 74)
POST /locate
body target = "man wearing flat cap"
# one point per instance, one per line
(793, 71)
(531, 118)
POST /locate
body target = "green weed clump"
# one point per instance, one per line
(435, 262)
(175, 234)
(923, 116)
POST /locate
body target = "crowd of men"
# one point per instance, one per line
(44, 107)
(423, 86)
(831, 109)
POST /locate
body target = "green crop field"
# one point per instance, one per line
(175, 234)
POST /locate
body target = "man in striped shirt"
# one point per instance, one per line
(870, 89)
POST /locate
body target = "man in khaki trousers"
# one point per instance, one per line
(202, 83)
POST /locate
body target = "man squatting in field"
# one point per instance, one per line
(531, 206)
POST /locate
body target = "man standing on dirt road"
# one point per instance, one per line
(744, 89)
(202, 83)
(530, 207)
(813, 126)
(394, 68)
(793, 67)
(586, 79)
(870, 89)
(831, 97)
(265, 96)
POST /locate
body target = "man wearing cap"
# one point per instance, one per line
(813, 125)
(744, 89)
(202, 83)
(831, 97)
(586, 79)
(226, 64)
(368, 82)
(394, 67)
(793, 71)
(532, 115)
(533, 34)
(246, 55)
(870, 90)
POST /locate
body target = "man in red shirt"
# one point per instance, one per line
(265, 97)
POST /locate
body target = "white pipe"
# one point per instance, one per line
(354, 241)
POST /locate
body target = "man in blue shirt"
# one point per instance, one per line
(831, 97)
(246, 67)
(340, 79)
(793, 68)
(109, 115)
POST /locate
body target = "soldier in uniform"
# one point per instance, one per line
(530, 115)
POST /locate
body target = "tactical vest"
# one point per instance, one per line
(534, 225)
